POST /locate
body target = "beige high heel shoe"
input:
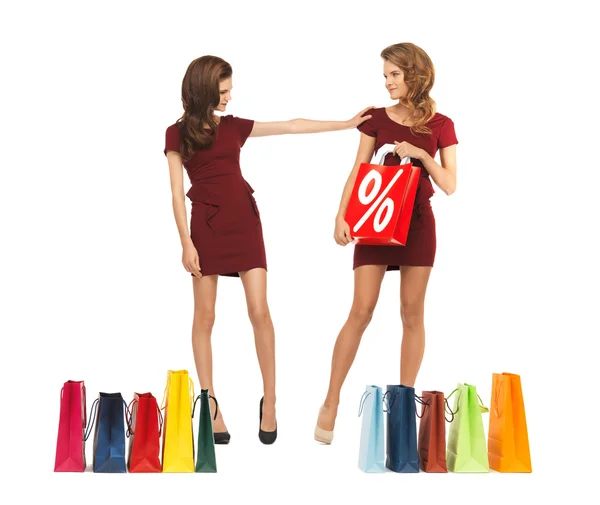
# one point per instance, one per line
(321, 435)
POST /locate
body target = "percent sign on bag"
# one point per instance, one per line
(382, 200)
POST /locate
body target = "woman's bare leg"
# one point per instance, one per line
(255, 287)
(367, 284)
(413, 286)
(205, 296)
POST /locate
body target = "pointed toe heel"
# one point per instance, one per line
(222, 437)
(321, 435)
(266, 437)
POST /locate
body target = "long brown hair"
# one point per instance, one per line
(199, 96)
(419, 75)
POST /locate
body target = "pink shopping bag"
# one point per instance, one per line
(70, 446)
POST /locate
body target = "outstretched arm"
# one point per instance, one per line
(306, 125)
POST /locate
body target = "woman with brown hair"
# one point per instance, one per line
(226, 236)
(417, 131)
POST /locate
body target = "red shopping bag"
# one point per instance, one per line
(70, 446)
(382, 201)
(432, 432)
(145, 425)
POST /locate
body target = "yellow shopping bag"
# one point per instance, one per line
(178, 442)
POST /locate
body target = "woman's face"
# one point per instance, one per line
(394, 80)
(225, 87)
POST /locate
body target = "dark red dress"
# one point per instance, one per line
(421, 241)
(225, 224)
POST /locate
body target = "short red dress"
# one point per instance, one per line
(225, 224)
(421, 240)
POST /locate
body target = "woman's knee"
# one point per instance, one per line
(204, 318)
(362, 313)
(412, 314)
(259, 315)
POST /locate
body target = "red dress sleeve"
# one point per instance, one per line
(172, 139)
(447, 134)
(244, 128)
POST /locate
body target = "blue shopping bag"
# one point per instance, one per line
(371, 454)
(108, 413)
(402, 454)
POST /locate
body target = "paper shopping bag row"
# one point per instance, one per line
(113, 421)
(401, 449)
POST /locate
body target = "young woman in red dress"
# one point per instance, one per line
(225, 236)
(417, 131)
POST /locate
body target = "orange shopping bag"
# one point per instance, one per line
(508, 442)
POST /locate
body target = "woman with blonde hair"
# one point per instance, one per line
(226, 237)
(416, 130)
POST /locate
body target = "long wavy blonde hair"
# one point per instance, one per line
(419, 76)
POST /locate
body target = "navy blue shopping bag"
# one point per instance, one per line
(401, 447)
(108, 413)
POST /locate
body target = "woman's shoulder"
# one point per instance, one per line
(232, 118)
(372, 125)
(377, 112)
(173, 129)
(172, 138)
(437, 120)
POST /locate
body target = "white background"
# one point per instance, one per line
(92, 283)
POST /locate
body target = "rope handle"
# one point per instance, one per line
(390, 405)
(457, 402)
(130, 412)
(482, 407)
(92, 419)
(496, 410)
(163, 402)
(424, 404)
(161, 421)
(84, 406)
(419, 399)
(129, 429)
(191, 386)
(209, 397)
(129, 416)
(363, 399)
(386, 403)
(448, 410)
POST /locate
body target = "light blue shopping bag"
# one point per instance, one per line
(371, 455)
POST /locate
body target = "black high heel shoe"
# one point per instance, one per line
(221, 437)
(266, 437)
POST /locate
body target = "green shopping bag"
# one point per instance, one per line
(467, 450)
(206, 461)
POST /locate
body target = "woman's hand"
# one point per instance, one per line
(342, 232)
(190, 260)
(359, 118)
(404, 149)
